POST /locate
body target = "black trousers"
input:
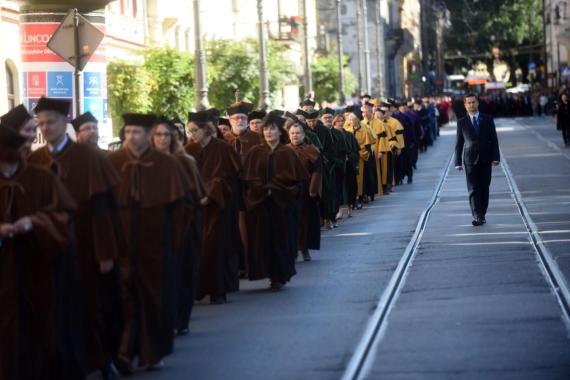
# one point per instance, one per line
(478, 182)
(566, 134)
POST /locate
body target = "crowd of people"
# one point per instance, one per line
(103, 253)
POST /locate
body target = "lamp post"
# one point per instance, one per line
(200, 63)
(360, 47)
(380, 50)
(341, 96)
(308, 75)
(366, 47)
(264, 100)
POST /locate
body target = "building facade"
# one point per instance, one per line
(557, 41)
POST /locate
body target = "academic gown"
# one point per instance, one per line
(328, 199)
(382, 134)
(370, 185)
(272, 181)
(353, 157)
(310, 223)
(242, 144)
(187, 257)
(150, 195)
(341, 150)
(219, 166)
(91, 181)
(30, 330)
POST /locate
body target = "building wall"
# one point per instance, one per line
(10, 56)
(557, 36)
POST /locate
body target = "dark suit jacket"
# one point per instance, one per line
(471, 148)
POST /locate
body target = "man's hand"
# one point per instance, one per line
(380, 155)
(495, 163)
(22, 226)
(205, 201)
(106, 266)
(459, 168)
(6, 230)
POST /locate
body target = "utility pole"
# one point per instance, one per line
(341, 96)
(366, 48)
(380, 50)
(264, 100)
(308, 75)
(360, 47)
(200, 63)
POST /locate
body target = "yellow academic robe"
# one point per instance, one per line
(363, 136)
(372, 127)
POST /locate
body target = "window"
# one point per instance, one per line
(11, 87)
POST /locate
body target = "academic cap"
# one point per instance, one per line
(239, 107)
(254, 115)
(51, 104)
(308, 102)
(10, 143)
(139, 119)
(327, 111)
(308, 115)
(87, 117)
(16, 117)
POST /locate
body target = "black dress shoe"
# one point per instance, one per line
(477, 222)
(218, 300)
(483, 220)
(109, 373)
(276, 285)
(182, 331)
(306, 255)
(124, 366)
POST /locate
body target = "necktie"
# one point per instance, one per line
(476, 124)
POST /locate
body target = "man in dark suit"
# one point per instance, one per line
(477, 148)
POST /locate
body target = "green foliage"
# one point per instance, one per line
(480, 25)
(326, 78)
(164, 83)
(128, 89)
(234, 65)
(171, 81)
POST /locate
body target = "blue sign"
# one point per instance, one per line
(60, 84)
(531, 66)
(92, 84)
(95, 106)
(564, 72)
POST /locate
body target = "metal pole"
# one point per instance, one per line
(545, 54)
(308, 74)
(380, 50)
(77, 72)
(200, 63)
(360, 47)
(264, 100)
(366, 48)
(341, 96)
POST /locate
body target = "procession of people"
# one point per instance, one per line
(103, 253)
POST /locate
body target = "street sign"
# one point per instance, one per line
(64, 43)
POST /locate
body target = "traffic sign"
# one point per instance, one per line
(75, 34)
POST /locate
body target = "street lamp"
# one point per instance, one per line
(341, 96)
(308, 74)
(200, 63)
(264, 100)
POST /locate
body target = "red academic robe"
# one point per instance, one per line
(272, 181)
(150, 196)
(219, 166)
(28, 267)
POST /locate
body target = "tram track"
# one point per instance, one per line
(363, 356)
(357, 365)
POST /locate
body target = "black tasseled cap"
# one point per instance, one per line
(239, 107)
(87, 117)
(139, 119)
(51, 104)
(256, 115)
(16, 117)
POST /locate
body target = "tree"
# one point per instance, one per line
(480, 25)
(235, 65)
(171, 81)
(326, 78)
(127, 89)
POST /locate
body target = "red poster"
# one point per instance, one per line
(35, 37)
(36, 84)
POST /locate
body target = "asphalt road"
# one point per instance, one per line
(309, 330)
(475, 303)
